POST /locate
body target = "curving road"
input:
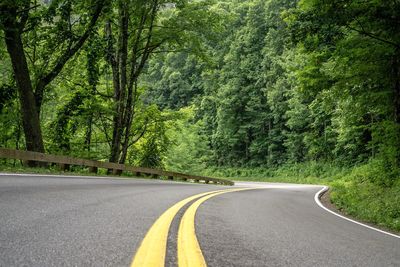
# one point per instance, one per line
(82, 221)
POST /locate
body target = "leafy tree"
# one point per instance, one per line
(174, 80)
(188, 151)
(143, 27)
(40, 39)
(359, 41)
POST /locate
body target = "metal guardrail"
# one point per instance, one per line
(64, 163)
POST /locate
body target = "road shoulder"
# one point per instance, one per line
(327, 203)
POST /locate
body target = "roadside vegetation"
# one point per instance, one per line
(301, 91)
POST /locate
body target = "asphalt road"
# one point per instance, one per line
(63, 221)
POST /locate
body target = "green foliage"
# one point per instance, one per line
(174, 80)
(152, 143)
(370, 193)
(64, 127)
(7, 93)
(387, 140)
(188, 152)
(11, 133)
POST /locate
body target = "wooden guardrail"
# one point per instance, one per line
(64, 163)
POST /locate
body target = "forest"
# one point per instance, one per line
(303, 91)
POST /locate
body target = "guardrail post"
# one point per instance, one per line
(93, 169)
(63, 167)
(116, 172)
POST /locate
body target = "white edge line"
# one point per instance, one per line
(323, 190)
(80, 176)
(62, 175)
(130, 178)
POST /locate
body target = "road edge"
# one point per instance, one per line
(317, 197)
(99, 177)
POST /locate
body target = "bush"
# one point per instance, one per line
(370, 193)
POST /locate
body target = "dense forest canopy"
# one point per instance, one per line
(188, 84)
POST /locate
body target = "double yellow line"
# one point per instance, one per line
(153, 249)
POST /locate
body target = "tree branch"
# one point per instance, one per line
(63, 59)
(371, 35)
(24, 15)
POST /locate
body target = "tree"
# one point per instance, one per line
(143, 28)
(174, 80)
(356, 47)
(63, 26)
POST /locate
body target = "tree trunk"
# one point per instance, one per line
(112, 60)
(14, 17)
(88, 133)
(29, 112)
(125, 74)
(120, 83)
(396, 76)
(396, 94)
(128, 121)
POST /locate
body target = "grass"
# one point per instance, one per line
(371, 193)
(303, 173)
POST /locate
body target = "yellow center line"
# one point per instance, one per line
(154, 245)
(189, 252)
